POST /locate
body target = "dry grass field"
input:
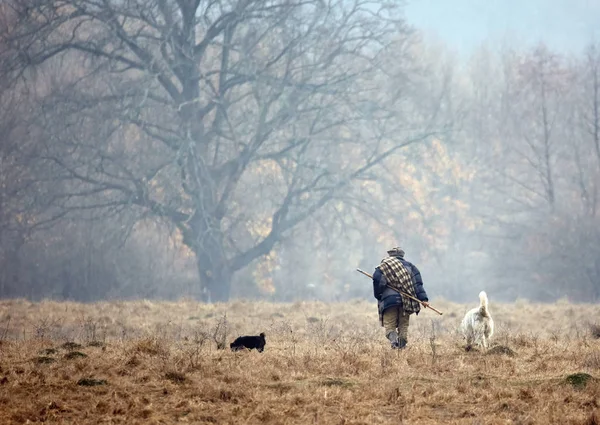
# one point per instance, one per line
(144, 362)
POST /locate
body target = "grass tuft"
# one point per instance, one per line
(91, 382)
(71, 346)
(71, 355)
(579, 380)
(44, 360)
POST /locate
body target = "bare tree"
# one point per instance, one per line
(586, 130)
(17, 188)
(11, 233)
(592, 89)
(542, 82)
(538, 186)
(182, 109)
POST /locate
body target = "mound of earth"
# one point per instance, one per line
(502, 349)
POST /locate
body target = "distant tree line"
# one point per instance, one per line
(264, 149)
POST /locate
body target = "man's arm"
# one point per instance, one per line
(418, 284)
(379, 284)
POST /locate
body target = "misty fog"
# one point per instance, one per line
(266, 149)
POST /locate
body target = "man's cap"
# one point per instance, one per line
(396, 252)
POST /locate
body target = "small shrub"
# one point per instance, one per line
(219, 335)
(96, 344)
(48, 351)
(150, 346)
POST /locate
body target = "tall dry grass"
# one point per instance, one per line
(158, 363)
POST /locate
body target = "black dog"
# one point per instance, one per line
(249, 342)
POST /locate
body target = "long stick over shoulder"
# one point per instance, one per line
(400, 292)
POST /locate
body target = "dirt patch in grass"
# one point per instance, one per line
(501, 350)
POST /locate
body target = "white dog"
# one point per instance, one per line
(478, 325)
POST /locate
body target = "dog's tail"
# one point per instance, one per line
(483, 304)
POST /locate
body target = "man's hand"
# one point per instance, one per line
(425, 304)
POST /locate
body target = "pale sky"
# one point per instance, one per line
(565, 26)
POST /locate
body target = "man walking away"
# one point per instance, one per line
(395, 274)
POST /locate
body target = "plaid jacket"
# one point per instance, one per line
(399, 273)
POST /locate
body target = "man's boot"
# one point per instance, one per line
(393, 337)
(402, 343)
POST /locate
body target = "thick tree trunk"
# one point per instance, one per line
(215, 279)
(214, 268)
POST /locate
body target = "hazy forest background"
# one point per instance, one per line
(265, 149)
